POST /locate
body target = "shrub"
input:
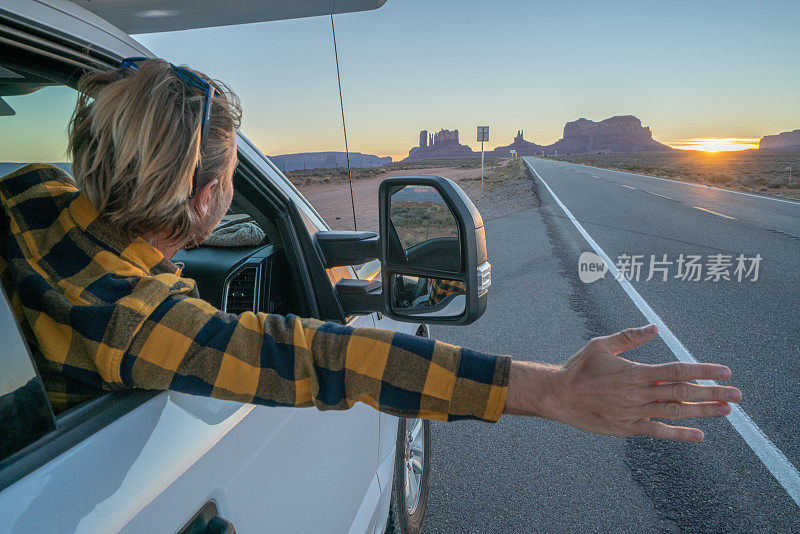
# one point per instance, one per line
(719, 178)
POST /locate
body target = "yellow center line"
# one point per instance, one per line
(629, 187)
(715, 213)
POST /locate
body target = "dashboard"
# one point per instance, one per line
(240, 279)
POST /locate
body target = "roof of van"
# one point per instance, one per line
(147, 16)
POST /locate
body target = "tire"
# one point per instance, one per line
(408, 507)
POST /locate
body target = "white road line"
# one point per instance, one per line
(796, 203)
(662, 196)
(714, 212)
(781, 468)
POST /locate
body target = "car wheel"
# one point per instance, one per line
(412, 461)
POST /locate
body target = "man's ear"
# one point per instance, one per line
(202, 199)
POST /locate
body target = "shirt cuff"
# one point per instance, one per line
(481, 386)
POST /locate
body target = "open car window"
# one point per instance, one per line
(34, 113)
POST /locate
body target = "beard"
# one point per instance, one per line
(206, 225)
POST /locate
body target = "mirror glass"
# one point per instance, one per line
(421, 296)
(426, 230)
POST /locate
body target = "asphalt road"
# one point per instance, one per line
(524, 475)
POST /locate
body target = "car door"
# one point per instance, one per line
(149, 463)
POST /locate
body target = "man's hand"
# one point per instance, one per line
(598, 391)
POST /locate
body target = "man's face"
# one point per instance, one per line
(220, 202)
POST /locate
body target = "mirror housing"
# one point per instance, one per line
(447, 260)
(343, 248)
(456, 260)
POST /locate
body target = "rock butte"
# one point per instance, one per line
(621, 134)
(782, 141)
(442, 144)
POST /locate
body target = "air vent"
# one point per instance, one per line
(242, 291)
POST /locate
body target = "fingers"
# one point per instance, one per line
(683, 410)
(688, 392)
(682, 372)
(658, 430)
(630, 338)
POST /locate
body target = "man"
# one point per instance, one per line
(88, 269)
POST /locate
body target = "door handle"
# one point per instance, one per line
(218, 525)
(208, 521)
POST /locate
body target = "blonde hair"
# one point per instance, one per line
(135, 142)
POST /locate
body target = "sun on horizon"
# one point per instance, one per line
(717, 144)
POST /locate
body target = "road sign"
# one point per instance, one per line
(483, 136)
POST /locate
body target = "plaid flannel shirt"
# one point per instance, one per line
(105, 313)
(440, 288)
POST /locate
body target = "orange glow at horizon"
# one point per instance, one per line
(719, 144)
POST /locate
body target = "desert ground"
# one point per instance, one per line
(752, 171)
(507, 188)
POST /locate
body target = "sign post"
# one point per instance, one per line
(483, 135)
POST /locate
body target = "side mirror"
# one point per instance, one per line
(432, 250)
(434, 267)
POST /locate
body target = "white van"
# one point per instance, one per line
(142, 461)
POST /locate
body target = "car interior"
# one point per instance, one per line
(238, 278)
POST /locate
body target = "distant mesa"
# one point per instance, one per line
(520, 146)
(622, 134)
(442, 144)
(327, 160)
(782, 142)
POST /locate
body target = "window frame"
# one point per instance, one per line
(72, 427)
(30, 398)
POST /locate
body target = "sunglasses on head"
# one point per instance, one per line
(189, 78)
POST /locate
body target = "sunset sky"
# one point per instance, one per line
(689, 70)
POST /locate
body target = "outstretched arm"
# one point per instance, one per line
(188, 345)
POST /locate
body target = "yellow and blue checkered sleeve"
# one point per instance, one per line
(187, 345)
(441, 288)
